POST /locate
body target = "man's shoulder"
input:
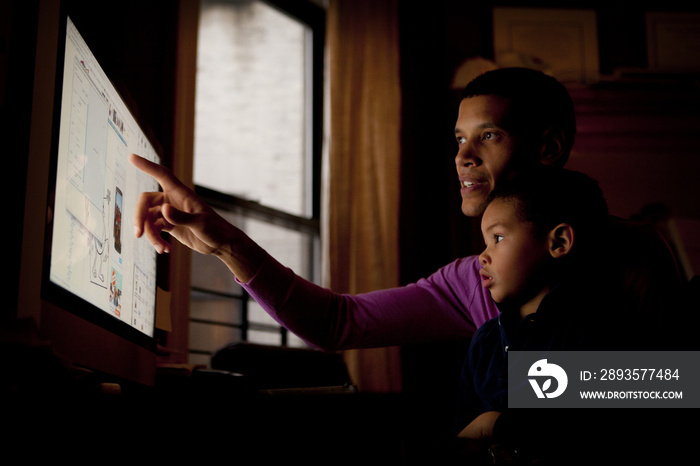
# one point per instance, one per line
(642, 265)
(638, 242)
(460, 274)
(467, 264)
(637, 233)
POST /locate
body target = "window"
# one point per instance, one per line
(257, 155)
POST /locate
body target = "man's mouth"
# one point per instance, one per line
(470, 182)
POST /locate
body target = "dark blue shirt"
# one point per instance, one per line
(565, 320)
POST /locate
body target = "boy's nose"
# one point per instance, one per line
(484, 258)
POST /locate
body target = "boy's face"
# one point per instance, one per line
(515, 256)
(486, 148)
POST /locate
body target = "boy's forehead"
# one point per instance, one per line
(499, 212)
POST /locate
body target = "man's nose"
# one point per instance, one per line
(466, 155)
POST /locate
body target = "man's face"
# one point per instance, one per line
(486, 148)
(514, 261)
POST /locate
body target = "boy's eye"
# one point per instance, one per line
(461, 140)
(489, 135)
(497, 238)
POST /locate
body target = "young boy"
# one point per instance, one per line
(541, 232)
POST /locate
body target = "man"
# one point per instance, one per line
(510, 121)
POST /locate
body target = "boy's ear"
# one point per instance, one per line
(561, 240)
(552, 148)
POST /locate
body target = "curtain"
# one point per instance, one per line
(364, 166)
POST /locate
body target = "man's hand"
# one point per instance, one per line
(180, 212)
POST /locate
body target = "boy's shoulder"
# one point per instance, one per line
(488, 333)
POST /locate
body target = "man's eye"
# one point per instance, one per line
(489, 135)
(461, 140)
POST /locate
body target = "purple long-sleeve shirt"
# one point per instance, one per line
(451, 303)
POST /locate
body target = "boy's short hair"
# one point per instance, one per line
(547, 197)
(538, 101)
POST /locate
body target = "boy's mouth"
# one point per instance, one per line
(486, 279)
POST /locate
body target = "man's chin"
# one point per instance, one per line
(474, 209)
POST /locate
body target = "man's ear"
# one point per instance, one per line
(561, 240)
(552, 148)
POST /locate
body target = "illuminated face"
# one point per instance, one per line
(486, 148)
(514, 263)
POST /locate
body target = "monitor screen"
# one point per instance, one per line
(97, 268)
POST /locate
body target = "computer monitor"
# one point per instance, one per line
(94, 268)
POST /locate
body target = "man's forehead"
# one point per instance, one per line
(484, 110)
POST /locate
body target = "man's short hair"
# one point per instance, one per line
(538, 101)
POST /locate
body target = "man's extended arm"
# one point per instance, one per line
(450, 303)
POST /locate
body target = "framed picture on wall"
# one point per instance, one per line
(561, 42)
(672, 42)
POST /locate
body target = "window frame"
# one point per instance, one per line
(314, 17)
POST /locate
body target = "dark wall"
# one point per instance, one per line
(136, 45)
(17, 41)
